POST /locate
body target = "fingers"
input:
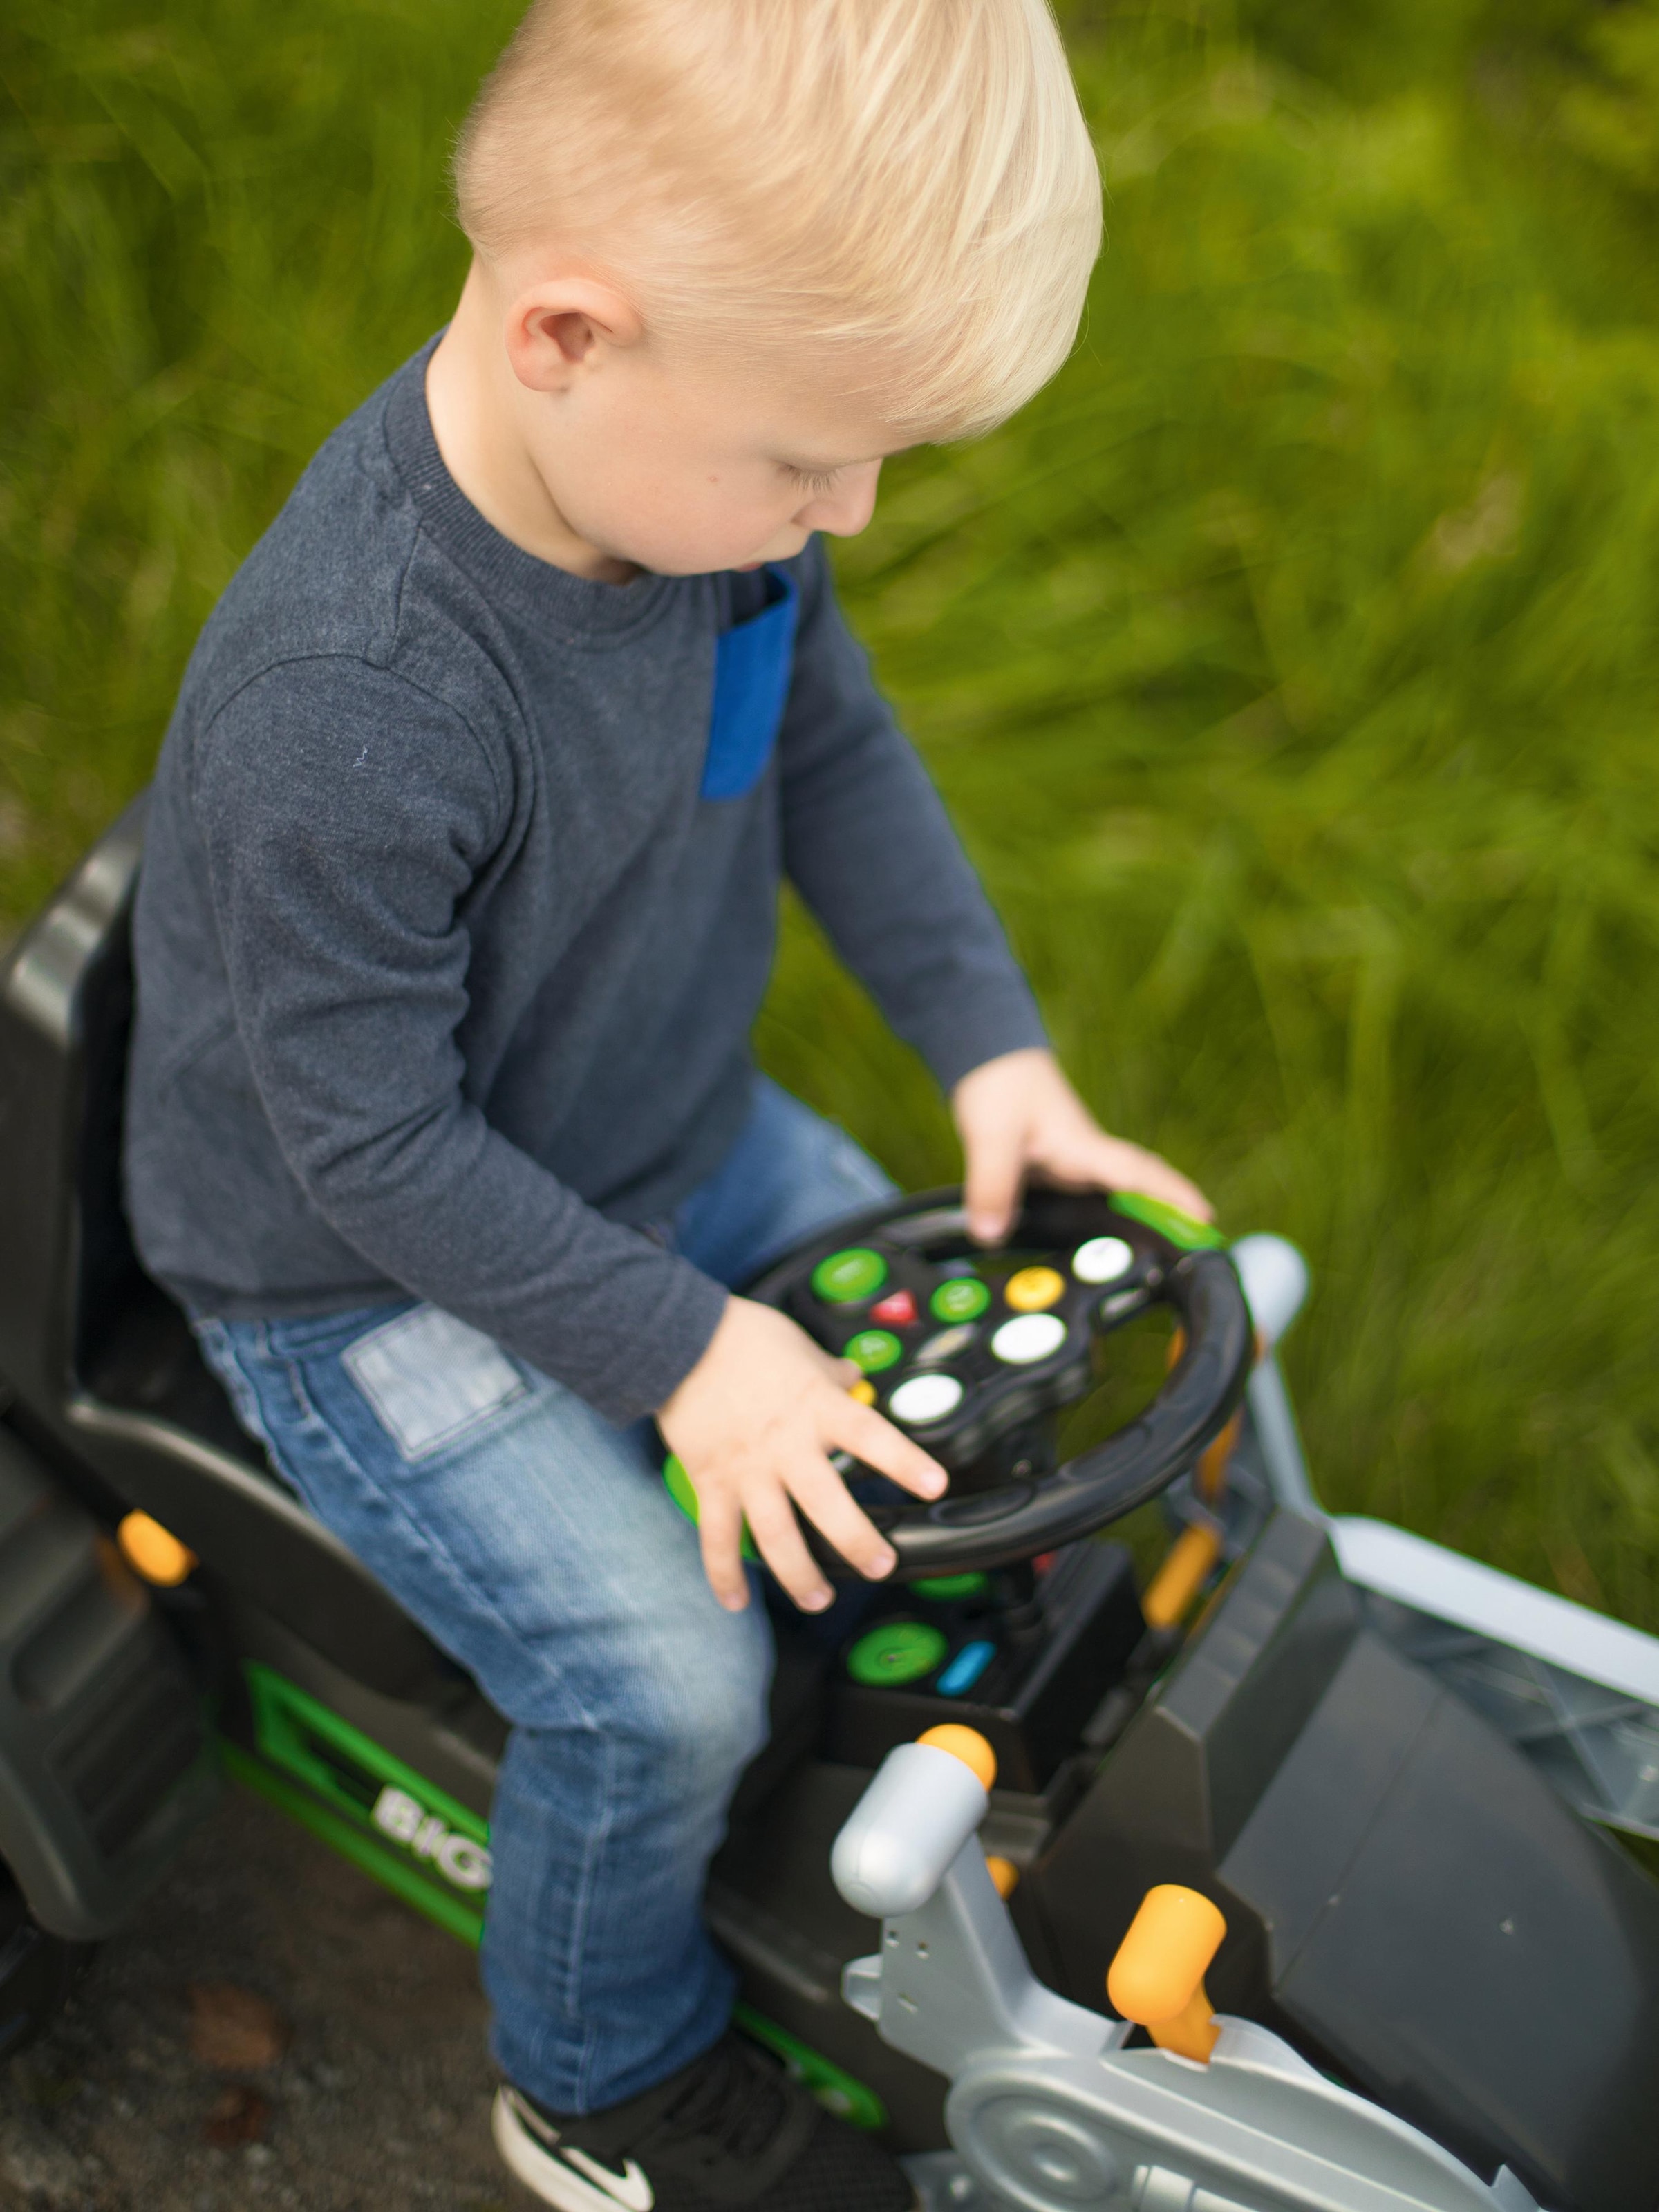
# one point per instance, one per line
(768, 1501)
(993, 1167)
(1092, 1160)
(861, 1431)
(1019, 1111)
(720, 1535)
(779, 1541)
(1130, 1167)
(824, 1498)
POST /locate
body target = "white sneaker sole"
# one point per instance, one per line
(552, 2180)
(550, 2177)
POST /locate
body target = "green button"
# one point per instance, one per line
(964, 1297)
(897, 1651)
(846, 1277)
(873, 1349)
(943, 1588)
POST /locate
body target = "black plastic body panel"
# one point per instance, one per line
(458, 1745)
(1406, 1899)
(1188, 1773)
(38, 1971)
(1035, 1697)
(105, 1765)
(1440, 1922)
(97, 1355)
(773, 1906)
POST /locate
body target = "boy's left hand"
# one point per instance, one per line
(1018, 1113)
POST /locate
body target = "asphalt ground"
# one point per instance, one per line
(373, 2083)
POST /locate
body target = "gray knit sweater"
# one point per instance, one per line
(446, 964)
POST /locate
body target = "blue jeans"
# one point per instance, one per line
(538, 1545)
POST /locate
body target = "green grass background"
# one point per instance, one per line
(1290, 665)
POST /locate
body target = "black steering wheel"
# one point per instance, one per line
(968, 1350)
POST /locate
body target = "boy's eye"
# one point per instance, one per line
(817, 482)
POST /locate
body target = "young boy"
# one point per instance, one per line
(457, 907)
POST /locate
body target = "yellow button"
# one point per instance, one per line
(864, 1390)
(1032, 1288)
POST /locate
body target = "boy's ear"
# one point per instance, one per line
(562, 329)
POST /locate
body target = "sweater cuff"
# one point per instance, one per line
(1003, 1019)
(663, 1348)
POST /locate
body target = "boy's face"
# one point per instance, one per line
(683, 460)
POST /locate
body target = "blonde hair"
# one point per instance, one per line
(908, 184)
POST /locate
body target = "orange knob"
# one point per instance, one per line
(1004, 1875)
(1179, 1580)
(966, 1744)
(154, 1552)
(1217, 1457)
(1156, 1980)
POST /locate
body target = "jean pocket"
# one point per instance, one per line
(430, 1380)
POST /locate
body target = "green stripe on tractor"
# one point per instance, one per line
(364, 1849)
(297, 1732)
(1182, 1229)
(365, 1803)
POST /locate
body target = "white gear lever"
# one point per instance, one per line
(927, 1799)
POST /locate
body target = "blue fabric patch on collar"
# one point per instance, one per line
(753, 664)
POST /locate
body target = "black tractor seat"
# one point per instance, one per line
(100, 1364)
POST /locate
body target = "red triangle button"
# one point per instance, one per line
(897, 1311)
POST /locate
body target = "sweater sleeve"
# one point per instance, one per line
(349, 819)
(868, 844)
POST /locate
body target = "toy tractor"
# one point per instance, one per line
(1312, 1903)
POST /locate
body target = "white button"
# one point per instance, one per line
(925, 1398)
(1103, 1260)
(1029, 1337)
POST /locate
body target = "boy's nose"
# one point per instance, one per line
(846, 510)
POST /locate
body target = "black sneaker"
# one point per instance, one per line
(730, 2129)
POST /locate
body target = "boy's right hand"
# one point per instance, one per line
(753, 1425)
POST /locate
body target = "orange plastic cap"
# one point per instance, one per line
(1004, 1875)
(1160, 1964)
(966, 1744)
(154, 1552)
